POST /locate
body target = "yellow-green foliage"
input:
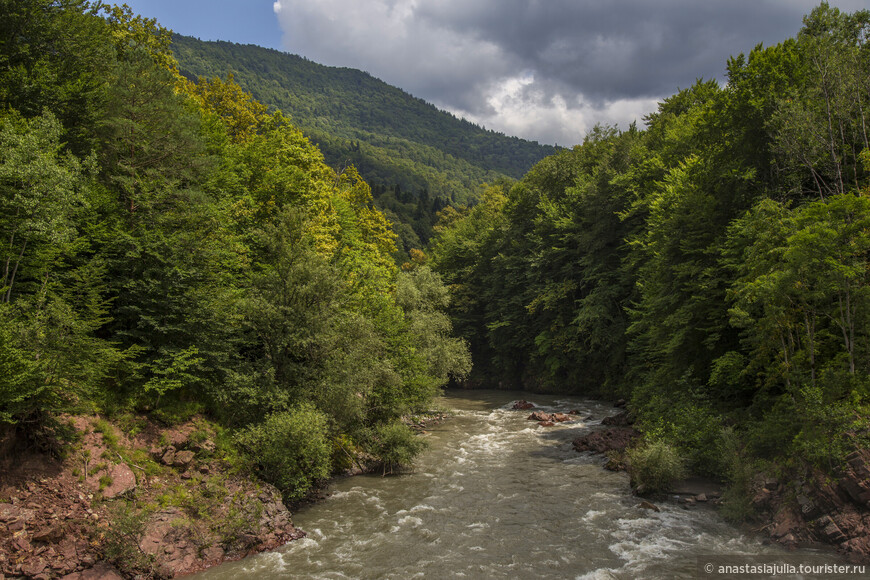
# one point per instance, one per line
(655, 465)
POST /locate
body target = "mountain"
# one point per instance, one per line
(399, 143)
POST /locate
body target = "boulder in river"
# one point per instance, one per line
(649, 506)
(549, 417)
(540, 416)
(523, 405)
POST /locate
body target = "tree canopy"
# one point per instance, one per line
(174, 248)
(711, 267)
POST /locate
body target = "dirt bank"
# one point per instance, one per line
(151, 502)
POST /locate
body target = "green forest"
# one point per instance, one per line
(173, 244)
(416, 158)
(711, 268)
(175, 248)
(391, 137)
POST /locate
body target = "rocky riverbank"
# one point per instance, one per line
(807, 510)
(144, 501)
(818, 508)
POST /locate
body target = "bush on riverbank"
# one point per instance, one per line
(290, 450)
(396, 444)
(654, 465)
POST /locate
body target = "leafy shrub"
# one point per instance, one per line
(131, 424)
(695, 430)
(737, 498)
(121, 543)
(176, 412)
(654, 466)
(290, 450)
(396, 445)
(698, 430)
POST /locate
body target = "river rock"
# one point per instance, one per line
(159, 526)
(855, 477)
(603, 440)
(33, 566)
(166, 539)
(623, 419)
(49, 535)
(177, 437)
(549, 417)
(540, 416)
(168, 457)
(546, 424)
(649, 506)
(784, 522)
(830, 531)
(522, 405)
(818, 508)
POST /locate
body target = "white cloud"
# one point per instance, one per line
(517, 107)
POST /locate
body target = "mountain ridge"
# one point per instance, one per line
(392, 137)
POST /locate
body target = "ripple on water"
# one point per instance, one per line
(592, 515)
(412, 520)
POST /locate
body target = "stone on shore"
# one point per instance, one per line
(604, 440)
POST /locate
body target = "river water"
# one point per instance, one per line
(497, 496)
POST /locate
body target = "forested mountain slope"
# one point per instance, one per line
(390, 136)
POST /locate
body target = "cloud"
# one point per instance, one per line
(542, 69)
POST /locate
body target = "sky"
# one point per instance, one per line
(545, 70)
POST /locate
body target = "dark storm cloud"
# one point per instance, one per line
(564, 64)
(623, 49)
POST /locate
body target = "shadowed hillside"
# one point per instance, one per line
(392, 137)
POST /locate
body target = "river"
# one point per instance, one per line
(497, 496)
